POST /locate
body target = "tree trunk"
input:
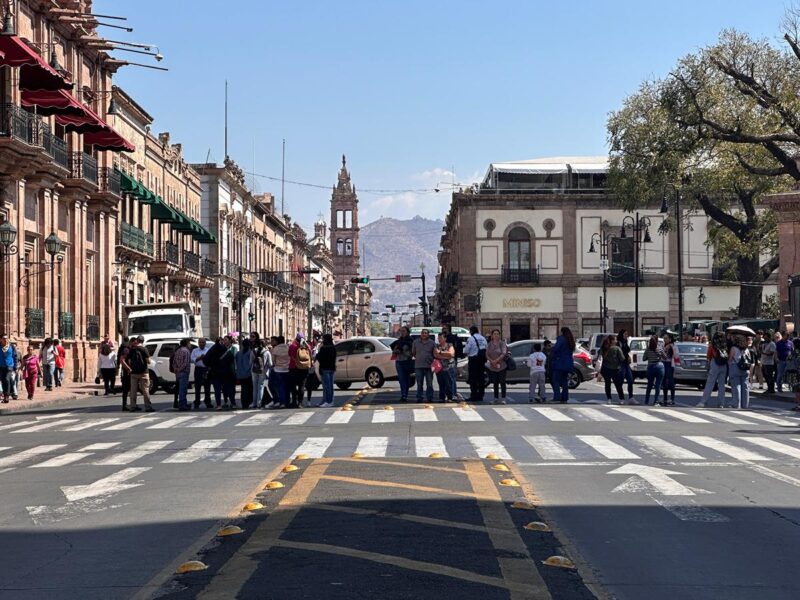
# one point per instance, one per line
(749, 272)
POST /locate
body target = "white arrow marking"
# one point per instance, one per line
(687, 509)
(657, 479)
(113, 484)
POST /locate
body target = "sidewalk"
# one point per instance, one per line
(68, 391)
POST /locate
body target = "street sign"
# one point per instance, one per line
(402, 278)
(604, 264)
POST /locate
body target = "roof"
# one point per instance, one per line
(551, 165)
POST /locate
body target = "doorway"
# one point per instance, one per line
(520, 330)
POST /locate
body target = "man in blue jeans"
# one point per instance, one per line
(422, 351)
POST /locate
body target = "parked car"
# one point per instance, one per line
(521, 351)
(638, 346)
(595, 341)
(160, 350)
(691, 365)
(364, 359)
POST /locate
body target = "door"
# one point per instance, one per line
(343, 351)
(162, 360)
(360, 359)
(520, 352)
(520, 330)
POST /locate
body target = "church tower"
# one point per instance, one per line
(344, 227)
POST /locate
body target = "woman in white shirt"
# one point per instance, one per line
(107, 364)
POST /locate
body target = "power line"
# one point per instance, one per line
(365, 190)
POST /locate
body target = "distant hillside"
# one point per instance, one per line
(394, 247)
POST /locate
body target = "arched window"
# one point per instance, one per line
(519, 249)
(340, 247)
(348, 247)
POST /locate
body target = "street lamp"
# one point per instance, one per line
(8, 235)
(53, 246)
(640, 227)
(664, 210)
(425, 317)
(602, 240)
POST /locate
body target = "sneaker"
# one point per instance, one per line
(151, 409)
(218, 408)
(633, 401)
(326, 405)
(700, 405)
(134, 409)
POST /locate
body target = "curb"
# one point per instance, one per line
(22, 405)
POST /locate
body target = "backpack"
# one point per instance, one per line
(303, 358)
(258, 362)
(137, 361)
(481, 351)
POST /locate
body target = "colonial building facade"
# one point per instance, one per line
(518, 255)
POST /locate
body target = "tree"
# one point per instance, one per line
(656, 143)
(377, 328)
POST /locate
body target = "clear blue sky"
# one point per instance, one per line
(408, 90)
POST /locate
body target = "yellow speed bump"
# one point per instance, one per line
(501, 468)
(537, 526)
(229, 530)
(301, 457)
(559, 561)
(429, 406)
(388, 408)
(509, 482)
(435, 455)
(253, 506)
(357, 455)
(289, 468)
(192, 565)
(273, 485)
(524, 505)
(346, 408)
(492, 457)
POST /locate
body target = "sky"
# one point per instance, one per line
(417, 94)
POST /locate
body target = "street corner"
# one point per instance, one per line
(386, 528)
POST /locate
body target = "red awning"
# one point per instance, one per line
(35, 73)
(108, 139)
(56, 102)
(95, 131)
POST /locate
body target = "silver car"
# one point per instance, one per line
(366, 359)
(692, 364)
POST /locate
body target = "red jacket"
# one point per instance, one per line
(60, 357)
(293, 347)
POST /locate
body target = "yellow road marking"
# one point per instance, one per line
(522, 573)
(403, 486)
(400, 464)
(416, 565)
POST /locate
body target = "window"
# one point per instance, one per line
(340, 247)
(345, 348)
(63, 217)
(519, 249)
(167, 350)
(521, 350)
(548, 328)
(31, 205)
(348, 247)
(364, 347)
(340, 219)
(150, 349)
(348, 219)
(622, 259)
(487, 325)
(90, 229)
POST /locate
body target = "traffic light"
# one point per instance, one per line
(364, 280)
(422, 301)
(392, 306)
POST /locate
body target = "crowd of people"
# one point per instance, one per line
(35, 368)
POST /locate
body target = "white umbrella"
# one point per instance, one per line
(743, 329)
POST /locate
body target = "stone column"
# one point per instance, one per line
(787, 209)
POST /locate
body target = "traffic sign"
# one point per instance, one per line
(604, 264)
(402, 278)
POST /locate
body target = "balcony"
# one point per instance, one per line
(515, 275)
(34, 323)
(208, 268)
(623, 273)
(66, 326)
(92, 327)
(55, 148)
(191, 261)
(167, 261)
(17, 123)
(229, 269)
(133, 238)
(82, 166)
(110, 181)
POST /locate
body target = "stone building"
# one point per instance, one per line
(59, 193)
(516, 255)
(326, 318)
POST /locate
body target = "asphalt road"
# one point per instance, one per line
(649, 502)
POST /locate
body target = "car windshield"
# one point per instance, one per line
(692, 348)
(155, 324)
(638, 344)
(386, 341)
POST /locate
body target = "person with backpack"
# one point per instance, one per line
(613, 359)
(326, 359)
(281, 371)
(739, 363)
(654, 357)
(211, 360)
(260, 365)
(299, 364)
(244, 372)
(476, 361)
(124, 375)
(670, 354)
(137, 364)
(717, 358)
(458, 346)
(625, 370)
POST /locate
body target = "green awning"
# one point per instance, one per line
(163, 212)
(129, 185)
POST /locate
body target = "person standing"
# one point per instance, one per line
(625, 370)
(739, 363)
(445, 353)
(756, 376)
(227, 374)
(302, 362)
(792, 378)
(244, 372)
(137, 362)
(768, 350)
(326, 359)
(670, 355)
(281, 360)
(458, 346)
(404, 361)
(124, 374)
(30, 371)
(7, 362)
(717, 359)
(201, 379)
(48, 361)
(783, 348)
(107, 363)
(422, 350)
(476, 364)
(613, 359)
(182, 366)
(496, 357)
(563, 364)
(654, 357)
(297, 374)
(537, 363)
(60, 362)
(260, 364)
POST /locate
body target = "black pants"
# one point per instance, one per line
(476, 383)
(297, 381)
(109, 376)
(246, 394)
(202, 381)
(125, 378)
(769, 372)
(497, 379)
(615, 376)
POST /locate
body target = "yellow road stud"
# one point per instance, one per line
(524, 505)
(357, 455)
(273, 485)
(253, 506)
(501, 468)
(559, 561)
(192, 565)
(289, 468)
(435, 455)
(301, 457)
(429, 406)
(346, 408)
(509, 482)
(229, 530)
(388, 408)
(537, 526)
(492, 457)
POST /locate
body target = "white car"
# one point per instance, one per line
(160, 351)
(366, 359)
(638, 346)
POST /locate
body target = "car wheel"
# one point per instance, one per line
(343, 385)
(574, 379)
(153, 383)
(374, 378)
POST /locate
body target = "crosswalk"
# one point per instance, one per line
(521, 448)
(320, 417)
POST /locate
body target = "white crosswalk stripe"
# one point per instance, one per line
(773, 446)
(253, 451)
(594, 414)
(548, 447)
(298, 418)
(20, 457)
(510, 414)
(467, 414)
(195, 452)
(46, 425)
(89, 423)
(768, 419)
(71, 457)
(383, 416)
(682, 415)
(314, 447)
(256, 420)
(134, 421)
(552, 414)
(665, 448)
(340, 417)
(174, 422)
(724, 417)
(210, 421)
(424, 415)
(17, 424)
(425, 446)
(606, 447)
(640, 414)
(726, 448)
(140, 451)
(485, 445)
(373, 446)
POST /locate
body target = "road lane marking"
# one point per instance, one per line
(606, 447)
(664, 448)
(71, 457)
(773, 445)
(725, 418)
(594, 414)
(725, 448)
(259, 419)
(509, 414)
(169, 423)
(113, 484)
(298, 418)
(253, 451)
(687, 509)
(548, 447)
(682, 416)
(424, 414)
(373, 446)
(768, 419)
(778, 476)
(195, 452)
(134, 421)
(467, 414)
(210, 421)
(20, 457)
(17, 424)
(314, 447)
(46, 425)
(425, 446)
(340, 417)
(487, 444)
(383, 416)
(89, 423)
(638, 414)
(129, 456)
(552, 414)
(401, 486)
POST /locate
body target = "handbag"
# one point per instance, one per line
(394, 356)
(436, 366)
(511, 364)
(97, 380)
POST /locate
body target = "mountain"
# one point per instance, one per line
(392, 247)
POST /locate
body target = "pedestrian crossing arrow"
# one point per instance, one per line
(645, 478)
(113, 484)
